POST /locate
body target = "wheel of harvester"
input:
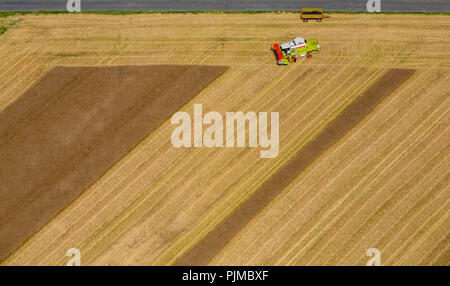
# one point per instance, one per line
(319, 20)
(305, 20)
(309, 56)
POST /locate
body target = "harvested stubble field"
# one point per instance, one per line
(385, 184)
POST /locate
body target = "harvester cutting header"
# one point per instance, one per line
(299, 47)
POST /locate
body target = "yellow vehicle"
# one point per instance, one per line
(311, 14)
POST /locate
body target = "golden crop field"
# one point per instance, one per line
(385, 184)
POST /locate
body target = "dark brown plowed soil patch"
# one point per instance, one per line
(71, 127)
(207, 248)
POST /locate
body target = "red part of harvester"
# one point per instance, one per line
(280, 57)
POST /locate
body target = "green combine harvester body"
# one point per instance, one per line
(289, 52)
(311, 46)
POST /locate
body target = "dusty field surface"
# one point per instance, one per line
(207, 248)
(72, 126)
(385, 184)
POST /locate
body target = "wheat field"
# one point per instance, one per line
(385, 185)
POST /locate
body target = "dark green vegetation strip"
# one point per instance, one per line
(209, 246)
(5, 25)
(7, 14)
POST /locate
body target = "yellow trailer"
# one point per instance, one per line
(312, 14)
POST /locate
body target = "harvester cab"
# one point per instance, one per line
(297, 42)
(299, 47)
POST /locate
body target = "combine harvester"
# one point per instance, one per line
(299, 47)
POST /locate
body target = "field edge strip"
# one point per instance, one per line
(4, 14)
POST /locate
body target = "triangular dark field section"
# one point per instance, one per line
(72, 126)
